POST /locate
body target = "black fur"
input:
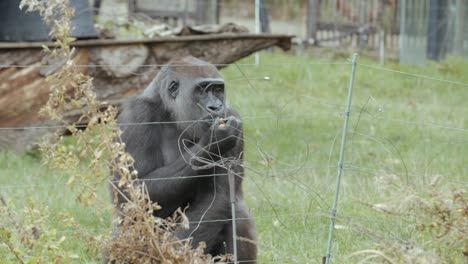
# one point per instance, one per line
(190, 89)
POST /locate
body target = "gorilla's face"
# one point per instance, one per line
(208, 94)
(194, 95)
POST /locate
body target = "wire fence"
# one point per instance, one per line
(289, 178)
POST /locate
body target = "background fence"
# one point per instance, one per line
(407, 29)
(410, 30)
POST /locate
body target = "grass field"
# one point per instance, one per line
(408, 126)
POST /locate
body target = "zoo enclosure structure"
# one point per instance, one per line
(416, 29)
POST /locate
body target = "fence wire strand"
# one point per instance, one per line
(413, 74)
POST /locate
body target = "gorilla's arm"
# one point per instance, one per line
(174, 180)
(172, 190)
(168, 183)
(144, 143)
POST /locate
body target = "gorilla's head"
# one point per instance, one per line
(190, 90)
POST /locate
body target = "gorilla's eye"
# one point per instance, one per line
(218, 90)
(173, 88)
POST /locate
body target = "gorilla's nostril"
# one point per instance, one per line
(213, 108)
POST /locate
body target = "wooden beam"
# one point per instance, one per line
(173, 39)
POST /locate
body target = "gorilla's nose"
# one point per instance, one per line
(214, 108)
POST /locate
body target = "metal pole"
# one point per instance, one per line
(403, 32)
(382, 47)
(434, 20)
(232, 198)
(340, 160)
(312, 19)
(257, 27)
(380, 22)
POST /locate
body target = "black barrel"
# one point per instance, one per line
(16, 25)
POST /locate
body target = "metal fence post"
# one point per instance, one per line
(340, 160)
(257, 28)
(232, 198)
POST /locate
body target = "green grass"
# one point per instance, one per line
(399, 124)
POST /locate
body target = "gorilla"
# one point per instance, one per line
(181, 132)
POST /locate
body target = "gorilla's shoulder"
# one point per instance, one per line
(140, 109)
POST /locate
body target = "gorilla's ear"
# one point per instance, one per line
(174, 88)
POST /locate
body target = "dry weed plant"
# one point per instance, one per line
(437, 216)
(26, 236)
(141, 238)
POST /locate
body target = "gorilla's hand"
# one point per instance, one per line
(224, 134)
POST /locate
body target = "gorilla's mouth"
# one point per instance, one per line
(211, 118)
